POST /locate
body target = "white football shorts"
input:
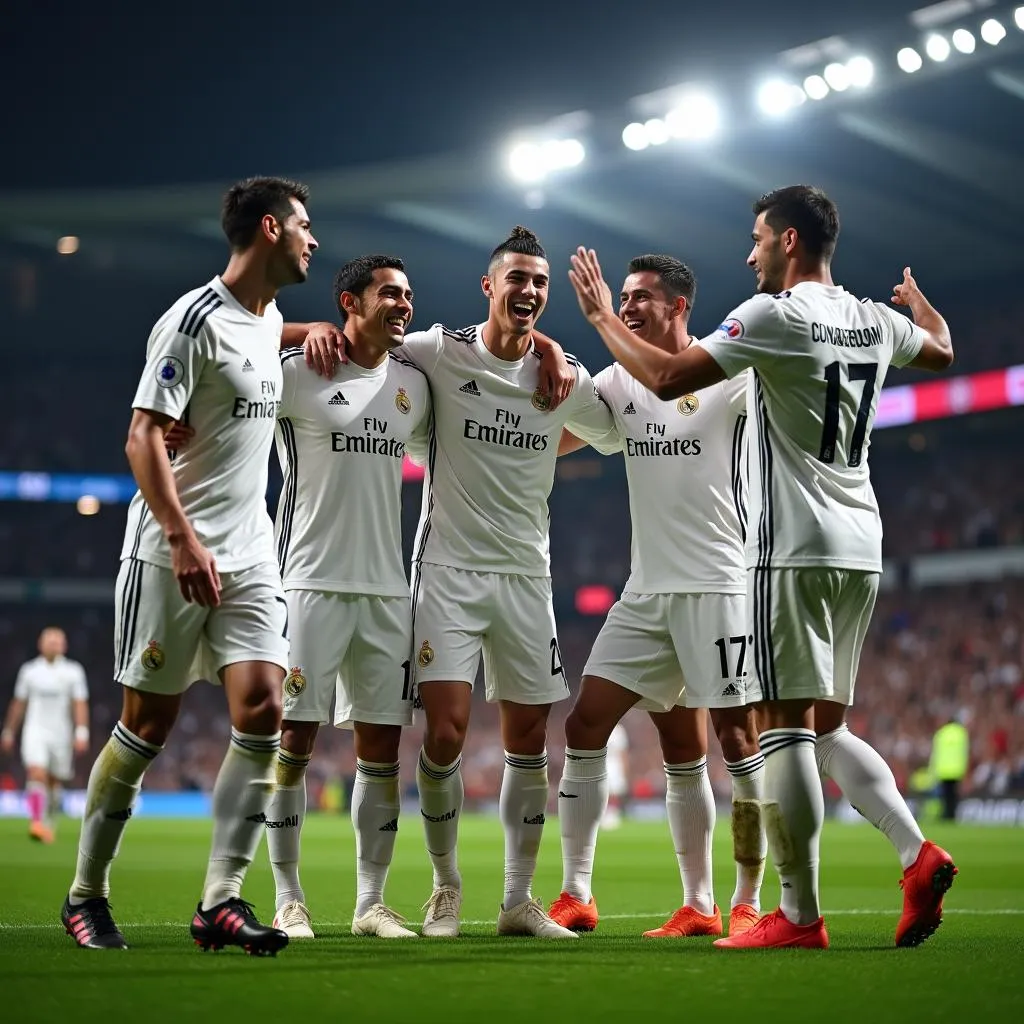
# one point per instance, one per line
(353, 649)
(51, 751)
(809, 626)
(690, 650)
(158, 634)
(459, 614)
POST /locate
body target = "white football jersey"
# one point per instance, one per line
(49, 690)
(212, 364)
(819, 357)
(492, 453)
(341, 441)
(686, 470)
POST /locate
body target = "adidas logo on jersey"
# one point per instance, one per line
(470, 388)
(338, 399)
(630, 410)
(391, 826)
(247, 367)
(732, 690)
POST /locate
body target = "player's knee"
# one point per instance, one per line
(738, 740)
(586, 729)
(259, 712)
(378, 743)
(445, 737)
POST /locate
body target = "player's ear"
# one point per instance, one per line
(680, 307)
(270, 227)
(789, 240)
(349, 303)
(485, 285)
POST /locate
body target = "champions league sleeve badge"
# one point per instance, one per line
(171, 372)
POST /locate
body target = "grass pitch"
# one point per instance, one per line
(973, 966)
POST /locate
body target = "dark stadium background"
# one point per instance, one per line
(122, 129)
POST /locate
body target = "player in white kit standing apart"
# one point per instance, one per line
(676, 643)
(820, 357)
(482, 578)
(198, 565)
(341, 441)
(618, 777)
(51, 703)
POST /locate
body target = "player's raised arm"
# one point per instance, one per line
(193, 564)
(937, 351)
(668, 376)
(557, 377)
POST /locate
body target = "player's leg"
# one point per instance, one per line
(736, 728)
(375, 697)
(55, 794)
(791, 622)
(523, 673)
(320, 628)
(155, 638)
(867, 781)
(690, 804)
(447, 630)
(34, 757)
(633, 663)
(247, 637)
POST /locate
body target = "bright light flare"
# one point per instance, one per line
(816, 87)
(909, 60)
(777, 98)
(937, 47)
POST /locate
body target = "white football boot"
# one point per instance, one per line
(442, 913)
(294, 920)
(530, 918)
(383, 922)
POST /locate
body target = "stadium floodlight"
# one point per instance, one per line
(909, 60)
(837, 77)
(657, 131)
(1018, 18)
(992, 32)
(67, 245)
(777, 98)
(695, 116)
(531, 162)
(861, 72)
(634, 136)
(816, 87)
(937, 47)
(964, 41)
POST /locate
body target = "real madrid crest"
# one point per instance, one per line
(153, 657)
(402, 402)
(688, 405)
(295, 682)
(426, 655)
(541, 401)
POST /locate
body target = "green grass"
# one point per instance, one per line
(973, 965)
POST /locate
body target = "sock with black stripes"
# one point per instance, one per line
(287, 811)
(241, 794)
(749, 843)
(522, 806)
(441, 798)
(582, 800)
(868, 783)
(375, 807)
(690, 804)
(114, 783)
(794, 811)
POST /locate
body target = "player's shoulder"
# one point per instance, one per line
(456, 335)
(406, 373)
(755, 314)
(190, 313)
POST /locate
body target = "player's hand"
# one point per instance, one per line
(178, 435)
(592, 293)
(906, 292)
(82, 746)
(557, 377)
(325, 347)
(7, 742)
(195, 570)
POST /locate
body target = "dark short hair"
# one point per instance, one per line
(675, 275)
(247, 202)
(806, 209)
(522, 241)
(357, 275)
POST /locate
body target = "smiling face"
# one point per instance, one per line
(768, 257)
(381, 312)
(517, 288)
(294, 245)
(646, 307)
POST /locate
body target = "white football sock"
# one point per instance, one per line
(521, 806)
(867, 782)
(441, 799)
(749, 843)
(286, 813)
(376, 803)
(794, 810)
(114, 783)
(690, 804)
(54, 802)
(241, 794)
(582, 799)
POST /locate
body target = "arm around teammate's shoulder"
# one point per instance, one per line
(936, 352)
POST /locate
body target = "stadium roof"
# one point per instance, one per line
(926, 168)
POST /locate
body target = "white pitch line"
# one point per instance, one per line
(962, 911)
